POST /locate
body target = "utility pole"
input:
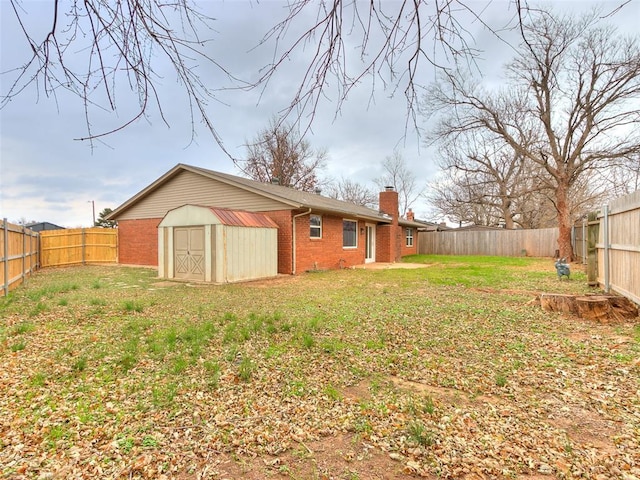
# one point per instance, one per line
(93, 211)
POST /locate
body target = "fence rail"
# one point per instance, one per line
(19, 251)
(509, 243)
(78, 246)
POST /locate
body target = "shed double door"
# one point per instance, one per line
(189, 252)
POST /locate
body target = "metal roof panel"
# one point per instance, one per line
(240, 218)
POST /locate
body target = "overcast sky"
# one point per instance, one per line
(46, 175)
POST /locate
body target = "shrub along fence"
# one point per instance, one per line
(19, 251)
(508, 243)
(78, 246)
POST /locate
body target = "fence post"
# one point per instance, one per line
(24, 251)
(83, 247)
(592, 251)
(5, 286)
(584, 241)
(607, 286)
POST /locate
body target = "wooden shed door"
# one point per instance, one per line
(189, 252)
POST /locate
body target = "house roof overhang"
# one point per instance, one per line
(294, 199)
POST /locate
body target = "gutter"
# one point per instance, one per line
(293, 243)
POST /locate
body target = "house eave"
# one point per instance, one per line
(182, 167)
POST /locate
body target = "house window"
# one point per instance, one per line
(349, 233)
(409, 237)
(315, 226)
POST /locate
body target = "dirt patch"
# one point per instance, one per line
(166, 284)
(388, 266)
(586, 427)
(341, 456)
(506, 291)
(357, 393)
(442, 394)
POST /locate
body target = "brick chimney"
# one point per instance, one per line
(389, 235)
(410, 216)
(388, 201)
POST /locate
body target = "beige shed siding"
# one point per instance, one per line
(249, 253)
(188, 187)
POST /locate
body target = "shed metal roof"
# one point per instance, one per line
(240, 218)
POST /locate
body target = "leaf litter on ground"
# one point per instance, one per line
(437, 372)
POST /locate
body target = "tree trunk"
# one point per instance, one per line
(564, 222)
(506, 212)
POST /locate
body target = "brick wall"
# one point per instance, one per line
(383, 243)
(403, 242)
(138, 241)
(391, 238)
(326, 252)
(285, 234)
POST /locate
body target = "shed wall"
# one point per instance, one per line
(250, 253)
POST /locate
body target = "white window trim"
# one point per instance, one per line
(409, 237)
(312, 227)
(349, 247)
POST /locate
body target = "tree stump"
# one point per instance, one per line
(601, 308)
(595, 307)
(557, 302)
(623, 307)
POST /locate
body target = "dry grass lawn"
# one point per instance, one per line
(447, 371)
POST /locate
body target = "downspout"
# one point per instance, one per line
(293, 242)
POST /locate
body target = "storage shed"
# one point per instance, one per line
(216, 245)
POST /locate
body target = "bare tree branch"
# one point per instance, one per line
(114, 41)
(391, 40)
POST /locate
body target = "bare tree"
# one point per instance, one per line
(534, 207)
(490, 172)
(575, 82)
(354, 192)
(279, 154)
(455, 198)
(623, 178)
(399, 176)
(95, 45)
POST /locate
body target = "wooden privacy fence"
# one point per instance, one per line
(77, 246)
(508, 243)
(618, 246)
(19, 251)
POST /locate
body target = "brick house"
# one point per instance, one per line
(314, 232)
